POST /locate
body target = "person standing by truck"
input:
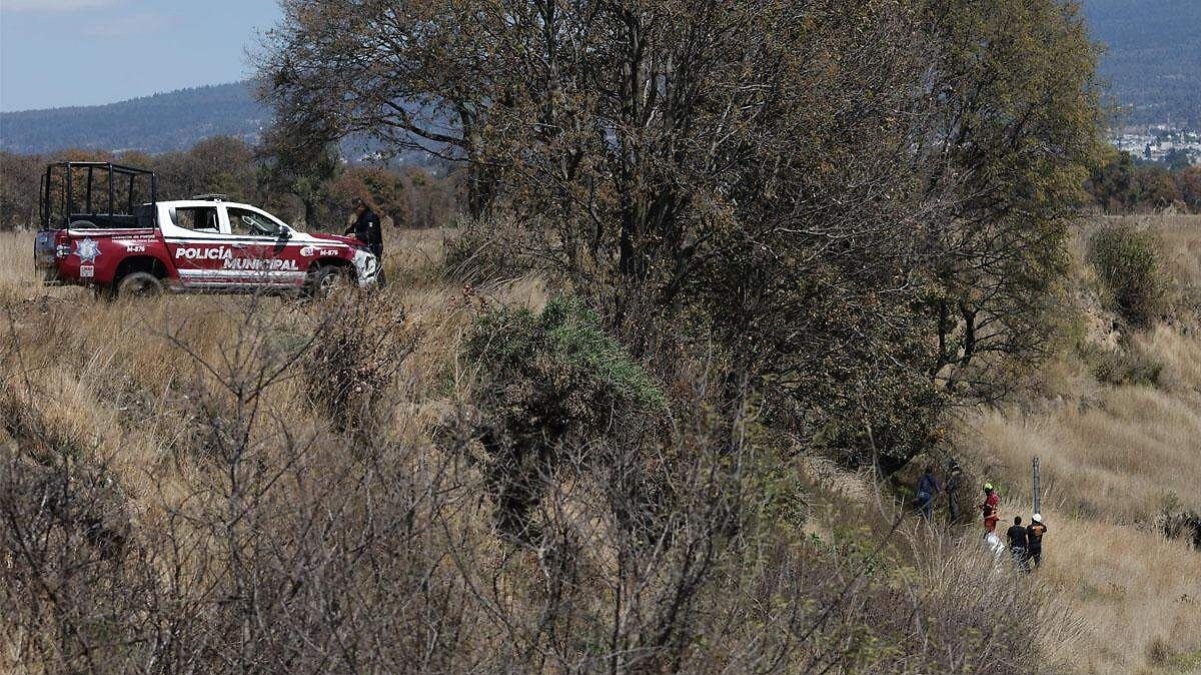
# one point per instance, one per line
(366, 228)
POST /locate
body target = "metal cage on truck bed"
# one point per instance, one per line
(126, 194)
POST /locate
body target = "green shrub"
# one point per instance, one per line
(551, 384)
(1126, 259)
(567, 359)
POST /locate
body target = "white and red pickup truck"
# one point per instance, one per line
(204, 244)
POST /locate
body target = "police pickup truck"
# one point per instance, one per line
(103, 226)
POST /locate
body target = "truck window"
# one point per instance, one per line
(196, 218)
(247, 222)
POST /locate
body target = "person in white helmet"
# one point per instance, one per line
(1034, 539)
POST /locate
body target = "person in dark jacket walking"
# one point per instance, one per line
(927, 487)
(1034, 539)
(1018, 544)
(366, 228)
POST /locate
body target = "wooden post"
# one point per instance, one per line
(1037, 488)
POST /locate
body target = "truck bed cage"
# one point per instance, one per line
(58, 197)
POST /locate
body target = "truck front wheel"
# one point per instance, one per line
(139, 285)
(325, 280)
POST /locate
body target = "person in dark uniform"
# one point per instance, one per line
(366, 228)
(1018, 544)
(927, 488)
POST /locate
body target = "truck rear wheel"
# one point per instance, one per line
(139, 285)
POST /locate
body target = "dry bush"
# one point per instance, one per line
(260, 555)
(969, 589)
(356, 349)
(492, 249)
(1126, 365)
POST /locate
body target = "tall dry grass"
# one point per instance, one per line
(17, 279)
(1122, 457)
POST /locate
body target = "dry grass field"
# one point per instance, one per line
(123, 382)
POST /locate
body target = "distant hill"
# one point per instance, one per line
(160, 123)
(1153, 62)
(165, 122)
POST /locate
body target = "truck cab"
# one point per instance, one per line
(113, 241)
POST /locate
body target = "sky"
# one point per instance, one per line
(85, 52)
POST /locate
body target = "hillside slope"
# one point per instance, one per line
(1116, 423)
(315, 512)
(1152, 57)
(166, 122)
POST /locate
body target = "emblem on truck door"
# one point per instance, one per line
(87, 250)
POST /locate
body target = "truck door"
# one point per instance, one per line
(197, 245)
(276, 264)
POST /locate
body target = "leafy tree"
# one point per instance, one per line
(1155, 188)
(324, 76)
(301, 170)
(1188, 184)
(221, 164)
(862, 204)
(1112, 184)
(1017, 135)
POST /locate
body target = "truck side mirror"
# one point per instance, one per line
(285, 232)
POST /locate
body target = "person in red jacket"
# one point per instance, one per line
(990, 508)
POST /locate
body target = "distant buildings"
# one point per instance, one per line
(1160, 143)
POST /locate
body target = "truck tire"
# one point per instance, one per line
(139, 285)
(324, 280)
